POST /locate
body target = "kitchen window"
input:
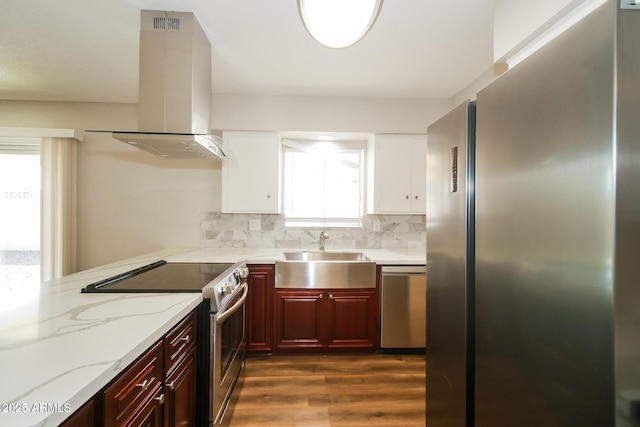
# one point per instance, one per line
(37, 212)
(19, 219)
(323, 184)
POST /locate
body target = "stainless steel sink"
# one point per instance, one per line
(324, 256)
(325, 270)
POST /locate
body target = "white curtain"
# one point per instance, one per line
(58, 245)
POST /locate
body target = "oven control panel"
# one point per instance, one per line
(226, 286)
(241, 274)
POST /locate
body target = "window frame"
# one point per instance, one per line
(358, 147)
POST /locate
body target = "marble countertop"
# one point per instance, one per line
(59, 347)
(271, 255)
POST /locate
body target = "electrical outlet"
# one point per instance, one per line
(254, 225)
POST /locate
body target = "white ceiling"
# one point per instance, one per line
(87, 50)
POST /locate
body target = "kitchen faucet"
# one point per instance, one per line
(323, 236)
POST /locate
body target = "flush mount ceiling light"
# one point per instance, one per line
(338, 23)
(327, 138)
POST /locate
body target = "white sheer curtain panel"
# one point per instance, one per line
(58, 247)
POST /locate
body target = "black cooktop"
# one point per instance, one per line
(161, 276)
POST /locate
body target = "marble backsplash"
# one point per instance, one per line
(219, 230)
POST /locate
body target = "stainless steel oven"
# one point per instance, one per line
(227, 354)
(221, 341)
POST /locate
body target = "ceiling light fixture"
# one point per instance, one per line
(327, 138)
(338, 23)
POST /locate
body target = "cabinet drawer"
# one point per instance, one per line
(150, 415)
(133, 388)
(179, 341)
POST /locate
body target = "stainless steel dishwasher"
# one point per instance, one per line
(403, 308)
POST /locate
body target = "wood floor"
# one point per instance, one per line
(332, 391)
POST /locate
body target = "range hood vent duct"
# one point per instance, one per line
(166, 23)
(174, 102)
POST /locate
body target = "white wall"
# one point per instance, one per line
(131, 202)
(68, 115)
(308, 113)
(517, 22)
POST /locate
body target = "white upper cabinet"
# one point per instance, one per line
(251, 172)
(397, 173)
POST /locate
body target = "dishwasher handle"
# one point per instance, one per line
(403, 269)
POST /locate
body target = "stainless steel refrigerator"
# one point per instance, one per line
(533, 311)
(450, 265)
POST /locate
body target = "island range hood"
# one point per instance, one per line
(174, 104)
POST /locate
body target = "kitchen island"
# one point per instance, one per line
(59, 347)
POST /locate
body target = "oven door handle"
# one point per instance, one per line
(221, 317)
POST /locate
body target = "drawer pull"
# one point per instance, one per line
(144, 384)
(172, 385)
(330, 296)
(160, 399)
(321, 296)
(186, 339)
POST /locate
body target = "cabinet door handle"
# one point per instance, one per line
(321, 296)
(172, 385)
(186, 339)
(144, 384)
(160, 399)
(330, 296)
(406, 197)
(268, 196)
(416, 197)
